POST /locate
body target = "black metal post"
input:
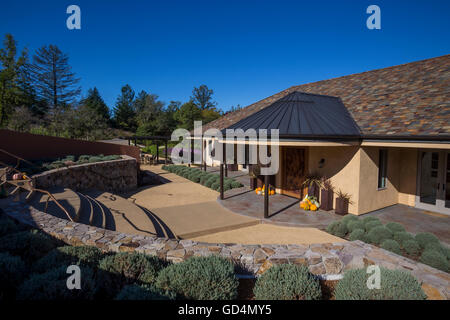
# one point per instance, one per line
(129, 142)
(221, 181)
(225, 158)
(157, 152)
(266, 196)
(204, 161)
(165, 161)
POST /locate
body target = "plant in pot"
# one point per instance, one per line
(342, 202)
(326, 193)
(254, 171)
(314, 183)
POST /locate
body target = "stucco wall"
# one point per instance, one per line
(370, 197)
(342, 166)
(408, 176)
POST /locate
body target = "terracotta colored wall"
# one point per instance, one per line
(33, 146)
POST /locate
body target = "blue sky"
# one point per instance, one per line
(244, 50)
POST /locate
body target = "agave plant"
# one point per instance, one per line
(343, 195)
(327, 185)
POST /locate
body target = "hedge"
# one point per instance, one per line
(426, 238)
(435, 259)
(13, 271)
(144, 292)
(378, 234)
(391, 245)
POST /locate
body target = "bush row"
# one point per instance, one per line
(392, 236)
(207, 179)
(49, 164)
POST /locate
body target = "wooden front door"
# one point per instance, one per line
(294, 170)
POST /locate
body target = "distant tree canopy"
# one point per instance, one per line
(42, 95)
(95, 102)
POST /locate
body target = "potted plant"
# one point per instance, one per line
(342, 202)
(254, 172)
(326, 194)
(313, 182)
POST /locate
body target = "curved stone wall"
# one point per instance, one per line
(328, 261)
(114, 176)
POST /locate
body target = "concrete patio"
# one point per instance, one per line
(416, 220)
(283, 210)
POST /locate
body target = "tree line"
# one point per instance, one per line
(41, 94)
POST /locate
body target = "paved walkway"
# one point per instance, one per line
(192, 211)
(283, 210)
(269, 234)
(187, 208)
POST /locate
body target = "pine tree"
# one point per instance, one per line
(124, 112)
(95, 102)
(202, 97)
(55, 82)
(10, 91)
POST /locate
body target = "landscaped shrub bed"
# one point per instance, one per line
(424, 247)
(207, 179)
(38, 166)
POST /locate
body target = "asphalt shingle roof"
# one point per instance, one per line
(411, 99)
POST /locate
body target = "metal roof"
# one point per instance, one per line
(301, 114)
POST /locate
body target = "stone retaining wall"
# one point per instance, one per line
(114, 176)
(328, 261)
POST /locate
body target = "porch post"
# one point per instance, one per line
(157, 151)
(225, 158)
(203, 151)
(192, 152)
(204, 162)
(221, 181)
(165, 161)
(266, 196)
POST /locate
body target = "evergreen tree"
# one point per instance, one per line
(55, 82)
(187, 114)
(10, 91)
(124, 112)
(202, 97)
(95, 102)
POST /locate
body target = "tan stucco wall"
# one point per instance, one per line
(370, 197)
(342, 166)
(408, 176)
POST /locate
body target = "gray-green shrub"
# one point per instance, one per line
(411, 247)
(144, 292)
(395, 285)
(402, 237)
(372, 224)
(435, 259)
(67, 255)
(425, 238)
(200, 278)
(358, 234)
(287, 282)
(52, 285)
(439, 248)
(126, 268)
(12, 273)
(355, 224)
(337, 228)
(7, 226)
(395, 227)
(30, 245)
(379, 234)
(391, 245)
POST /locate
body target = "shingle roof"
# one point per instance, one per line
(301, 114)
(412, 99)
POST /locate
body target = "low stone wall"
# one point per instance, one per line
(328, 261)
(114, 176)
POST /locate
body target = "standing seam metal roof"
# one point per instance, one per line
(301, 114)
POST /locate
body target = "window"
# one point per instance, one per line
(382, 168)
